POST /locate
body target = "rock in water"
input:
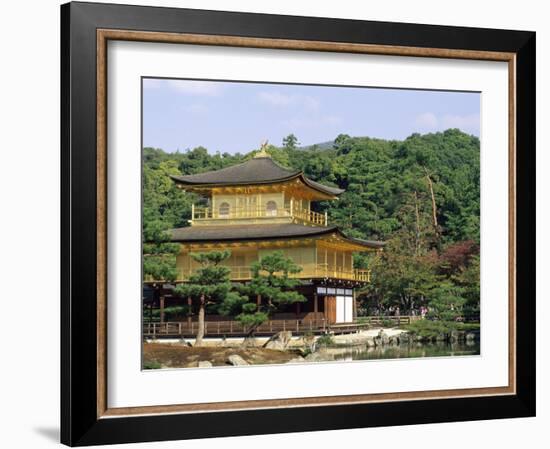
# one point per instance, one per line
(403, 338)
(310, 342)
(456, 335)
(384, 338)
(279, 341)
(236, 360)
(205, 364)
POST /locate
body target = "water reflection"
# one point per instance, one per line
(413, 350)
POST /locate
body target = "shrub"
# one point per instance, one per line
(363, 320)
(325, 340)
(386, 322)
(468, 326)
(431, 329)
(152, 365)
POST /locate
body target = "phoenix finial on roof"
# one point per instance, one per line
(263, 150)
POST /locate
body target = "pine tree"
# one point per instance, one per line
(159, 255)
(208, 285)
(271, 282)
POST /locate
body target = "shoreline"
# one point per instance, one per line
(296, 341)
(177, 354)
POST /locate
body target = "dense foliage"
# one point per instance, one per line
(271, 284)
(420, 195)
(209, 285)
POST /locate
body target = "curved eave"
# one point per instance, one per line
(369, 245)
(219, 234)
(320, 187)
(249, 233)
(186, 184)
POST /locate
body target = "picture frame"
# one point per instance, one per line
(86, 28)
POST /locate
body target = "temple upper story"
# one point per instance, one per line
(257, 207)
(258, 191)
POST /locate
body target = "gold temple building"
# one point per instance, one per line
(257, 207)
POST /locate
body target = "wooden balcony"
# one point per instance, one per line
(319, 271)
(203, 214)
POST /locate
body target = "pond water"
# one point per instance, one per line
(414, 350)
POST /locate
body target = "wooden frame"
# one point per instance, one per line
(86, 29)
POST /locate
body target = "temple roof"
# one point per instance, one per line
(258, 170)
(197, 234)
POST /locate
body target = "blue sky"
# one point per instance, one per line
(236, 117)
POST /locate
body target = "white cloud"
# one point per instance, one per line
(469, 122)
(428, 121)
(199, 88)
(275, 98)
(279, 99)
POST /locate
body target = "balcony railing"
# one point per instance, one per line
(243, 273)
(305, 215)
(231, 327)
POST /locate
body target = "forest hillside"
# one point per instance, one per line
(421, 195)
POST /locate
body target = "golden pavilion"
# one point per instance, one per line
(257, 207)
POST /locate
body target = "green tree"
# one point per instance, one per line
(161, 208)
(290, 142)
(468, 278)
(390, 187)
(272, 282)
(159, 255)
(400, 278)
(446, 303)
(208, 285)
(343, 143)
(380, 178)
